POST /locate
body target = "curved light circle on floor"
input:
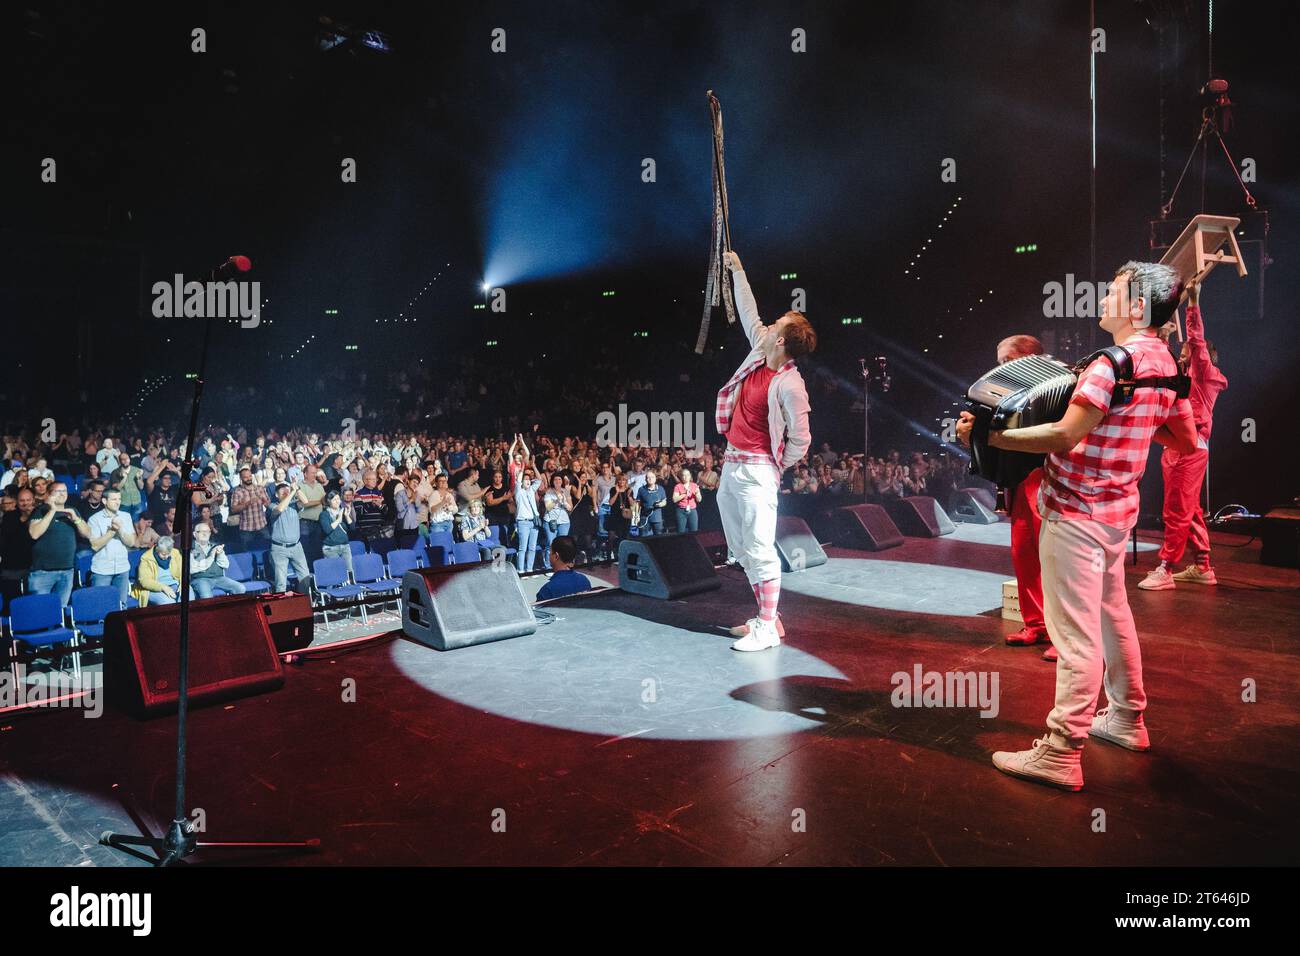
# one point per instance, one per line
(900, 586)
(606, 672)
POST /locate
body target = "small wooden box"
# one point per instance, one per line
(1011, 602)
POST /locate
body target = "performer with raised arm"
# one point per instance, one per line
(1089, 500)
(1184, 474)
(763, 412)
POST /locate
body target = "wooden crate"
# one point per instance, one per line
(1011, 602)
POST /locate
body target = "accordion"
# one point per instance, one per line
(1026, 391)
(1036, 390)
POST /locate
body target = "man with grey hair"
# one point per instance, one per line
(208, 564)
(1089, 502)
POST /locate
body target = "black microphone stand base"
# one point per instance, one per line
(180, 842)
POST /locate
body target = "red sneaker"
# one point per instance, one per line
(1028, 635)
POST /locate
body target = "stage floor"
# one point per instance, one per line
(628, 733)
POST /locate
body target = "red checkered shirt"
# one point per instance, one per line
(1098, 478)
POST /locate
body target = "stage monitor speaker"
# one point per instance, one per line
(920, 517)
(866, 527)
(714, 544)
(231, 655)
(1280, 538)
(797, 545)
(288, 615)
(665, 566)
(460, 605)
(974, 506)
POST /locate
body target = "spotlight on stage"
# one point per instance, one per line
(486, 287)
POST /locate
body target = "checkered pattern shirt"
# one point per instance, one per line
(253, 517)
(1098, 478)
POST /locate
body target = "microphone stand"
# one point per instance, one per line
(180, 841)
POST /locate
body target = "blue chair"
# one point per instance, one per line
(441, 549)
(67, 480)
(36, 620)
(357, 547)
(493, 539)
(332, 584)
(89, 607)
(241, 570)
(133, 559)
(83, 569)
(467, 552)
(368, 572)
(403, 560)
(263, 559)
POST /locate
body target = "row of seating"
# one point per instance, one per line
(37, 621)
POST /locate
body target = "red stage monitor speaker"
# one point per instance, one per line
(797, 545)
(459, 605)
(231, 655)
(866, 527)
(974, 506)
(665, 566)
(920, 517)
(289, 616)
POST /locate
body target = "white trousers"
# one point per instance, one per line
(1088, 618)
(747, 502)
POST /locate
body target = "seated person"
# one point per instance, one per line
(208, 565)
(159, 575)
(474, 527)
(565, 580)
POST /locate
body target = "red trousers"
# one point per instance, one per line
(1184, 521)
(1025, 525)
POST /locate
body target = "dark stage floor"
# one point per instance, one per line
(629, 733)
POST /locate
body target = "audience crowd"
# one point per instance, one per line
(100, 507)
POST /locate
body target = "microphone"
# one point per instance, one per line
(232, 267)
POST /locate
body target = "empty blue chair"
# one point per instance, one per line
(83, 568)
(241, 570)
(493, 539)
(441, 549)
(401, 561)
(357, 547)
(467, 552)
(133, 559)
(89, 607)
(67, 480)
(368, 572)
(332, 584)
(36, 620)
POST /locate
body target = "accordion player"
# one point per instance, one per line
(1036, 390)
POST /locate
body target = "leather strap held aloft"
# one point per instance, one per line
(1121, 360)
(717, 286)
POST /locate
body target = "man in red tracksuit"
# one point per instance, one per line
(1184, 474)
(1022, 506)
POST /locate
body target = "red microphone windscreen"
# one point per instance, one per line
(242, 263)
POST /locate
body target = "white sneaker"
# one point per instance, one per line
(1158, 580)
(762, 635)
(741, 630)
(1044, 762)
(1194, 575)
(1118, 728)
